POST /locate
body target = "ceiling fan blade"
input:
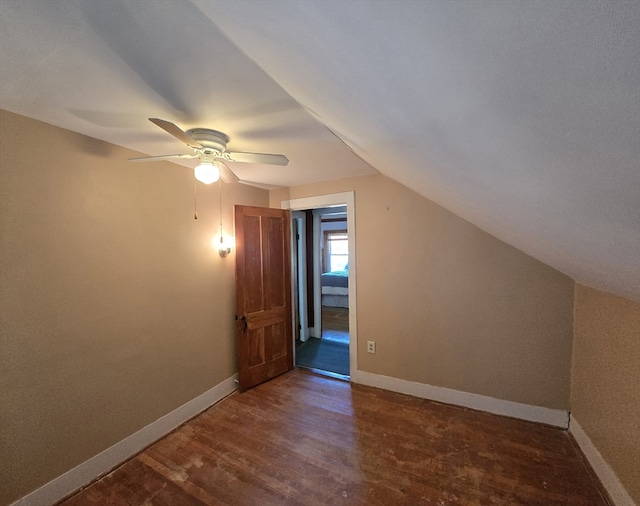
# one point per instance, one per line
(264, 186)
(226, 174)
(263, 158)
(175, 130)
(161, 157)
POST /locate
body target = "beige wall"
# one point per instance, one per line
(449, 305)
(115, 309)
(605, 389)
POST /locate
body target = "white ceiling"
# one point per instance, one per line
(520, 116)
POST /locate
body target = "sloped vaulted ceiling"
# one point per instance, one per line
(521, 116)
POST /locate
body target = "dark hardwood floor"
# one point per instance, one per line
(308, 439)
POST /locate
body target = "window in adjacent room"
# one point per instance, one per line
(337, 250)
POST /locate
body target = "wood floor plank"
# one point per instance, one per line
(335, 318)
(304, 439)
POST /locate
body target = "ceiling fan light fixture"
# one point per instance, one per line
(207, 172)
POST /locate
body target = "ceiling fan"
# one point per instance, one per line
(210, 146)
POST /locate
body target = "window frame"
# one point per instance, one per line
(326, 241)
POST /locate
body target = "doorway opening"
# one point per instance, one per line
(323, 261)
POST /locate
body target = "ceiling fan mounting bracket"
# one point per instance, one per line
(209, 139)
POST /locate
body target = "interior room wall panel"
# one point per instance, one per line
(605, 393)
(115, 308)
(450, 305)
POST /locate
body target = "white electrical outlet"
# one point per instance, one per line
(371, 346)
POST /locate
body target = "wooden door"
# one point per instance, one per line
(263, 294)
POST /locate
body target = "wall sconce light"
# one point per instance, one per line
(224, 245)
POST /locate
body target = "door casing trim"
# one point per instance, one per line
(336, 199)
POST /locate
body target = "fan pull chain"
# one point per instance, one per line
(195, 201)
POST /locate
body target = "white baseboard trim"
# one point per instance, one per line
(554, 417)
(609, 480)
(85, 473)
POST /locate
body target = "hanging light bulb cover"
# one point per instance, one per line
(207, 172)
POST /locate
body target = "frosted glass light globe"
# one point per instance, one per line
(207, 172)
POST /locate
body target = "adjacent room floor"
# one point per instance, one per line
(330, 354)
(312, 440)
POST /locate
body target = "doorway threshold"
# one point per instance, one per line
(330, 374)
